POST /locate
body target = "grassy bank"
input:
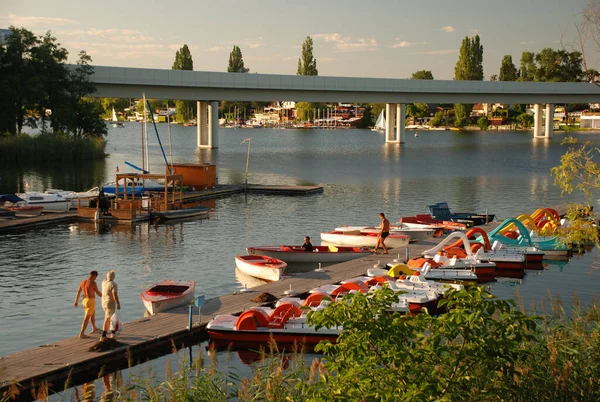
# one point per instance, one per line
(50, 148)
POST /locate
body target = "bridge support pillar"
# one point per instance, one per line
(400, 122)
(201, 126)
(390, 120)
(537, 120)
(213, 125)
(549, 120)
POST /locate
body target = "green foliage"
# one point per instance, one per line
(184, 110)
(183, 59)
(558, 66)
(528, 67)
(508, 71)
(483, 123)
(367, 119)
(469, 66)
(305, 111)
(50, 148)
(461, 113)
(307, 64)
(525, 120)
(438, 119)
(422, 75)
(236, 61)
(38, 88)
(417, 110)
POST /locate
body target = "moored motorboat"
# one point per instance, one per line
(167, 295)
(363, 239)
(323, 254)
(441, 210)
(14, 206)
(50, 202)
(260, 266)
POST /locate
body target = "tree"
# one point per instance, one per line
(525, 120)
(461, 113)
(528, 67)
(34, 79)
(422, 75)
(579, 170)
(588, 29)
(184, 110)
(367, 119)
(483, 123)
(236, 61)
(307, 64)
(494, 77)
(469, 66)
(437, 120)
(183, 59)
(508, 71)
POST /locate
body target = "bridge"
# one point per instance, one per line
(207, 88)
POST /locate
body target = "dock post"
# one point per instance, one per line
(407, 255)
(190, 315)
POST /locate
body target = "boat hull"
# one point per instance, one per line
(292, 254)
(415, 234)
(157, 301)
(265, 268)
(363, 240)
(183, 213)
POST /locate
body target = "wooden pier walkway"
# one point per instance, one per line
(149, 337)
(46, 219)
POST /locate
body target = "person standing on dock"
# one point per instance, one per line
(383, 233)
(110, 300)
(89, 288)
(307, 246)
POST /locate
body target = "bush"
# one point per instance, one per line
(483, 123)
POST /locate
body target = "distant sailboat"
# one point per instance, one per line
(114, 120)
(380, 124)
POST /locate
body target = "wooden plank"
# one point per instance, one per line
(9, 225)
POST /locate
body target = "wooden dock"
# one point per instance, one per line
(46, 219)
(144, 338)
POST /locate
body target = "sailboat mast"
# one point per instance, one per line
(170, 142)
(146, 166)
(143, 133)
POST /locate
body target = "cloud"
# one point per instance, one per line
(123, 51)
(254, 45)
(436, 52)
(346, 43)
(30, 22)
(448, 28)
(114, 34)
(404, 43)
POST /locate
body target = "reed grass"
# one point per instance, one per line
(50, 148)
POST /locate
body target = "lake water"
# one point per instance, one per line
(506, 173)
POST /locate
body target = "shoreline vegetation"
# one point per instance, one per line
(481, 349)
(25, 148)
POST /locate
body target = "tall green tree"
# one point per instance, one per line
(236, 61)
(184, 110)
(422, 75)
(469, 66)
(183, 59)
(528, 67)
(508, 71)
(307, 64)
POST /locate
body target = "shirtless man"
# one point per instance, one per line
(383, 233)
(89, 288)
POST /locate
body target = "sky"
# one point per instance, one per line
(376, 38)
